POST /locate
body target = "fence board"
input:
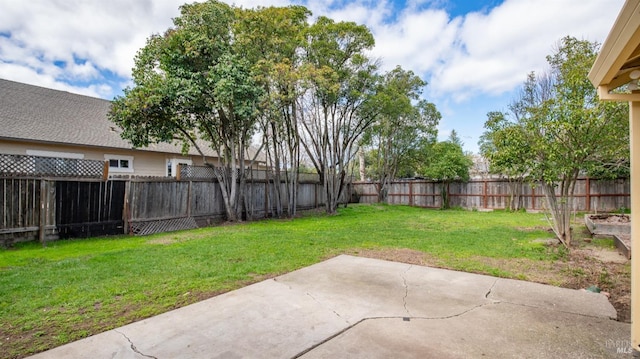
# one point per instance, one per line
(81, 208)
(20, 210)
(76, 208)
(86, 209)
(590, 194)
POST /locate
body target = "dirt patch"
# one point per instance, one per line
(402, 255)
(610, 218)
(607, 256)
(534, 229)
(579, 269)
(164, 241)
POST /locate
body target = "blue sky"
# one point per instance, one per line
(473, 54)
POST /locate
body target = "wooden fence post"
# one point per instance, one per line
(127, 207)
(178, 170)
(533, 197)
(587, 191)
(43, 212)
(410, 193)
(105, 171)
(189, 199)
(484, 195)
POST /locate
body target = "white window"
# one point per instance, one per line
(119, 164)
(172, 165)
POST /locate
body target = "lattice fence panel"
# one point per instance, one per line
(197, 172)
(203, 172)
(19, 165)
(209, 173)
(165, 225)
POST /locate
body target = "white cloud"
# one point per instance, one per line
(417, 41)
(462, 57)
(82, 37)
(486, 52)
(493, 52)
(26, 75)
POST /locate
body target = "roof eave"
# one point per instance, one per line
(608, 71)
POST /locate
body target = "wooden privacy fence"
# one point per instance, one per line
(159, 206)
(35, 206)
(39, 167)
(51, 208)
(590, 194)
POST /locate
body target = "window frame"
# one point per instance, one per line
(120, 168)
(173, 164)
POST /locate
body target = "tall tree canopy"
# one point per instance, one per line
(504, 144)
(221, 74)
(560, 129)
(273, 38)
(193, 83)
(445, 161)
(341, 79)
(403, 123)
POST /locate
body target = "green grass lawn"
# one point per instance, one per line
(75, 288)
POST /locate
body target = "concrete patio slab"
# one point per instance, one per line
(358, 307)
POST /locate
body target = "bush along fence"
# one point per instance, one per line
(591, 195)
(48, 205)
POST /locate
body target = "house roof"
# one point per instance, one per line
(619, 55)
(38, 114)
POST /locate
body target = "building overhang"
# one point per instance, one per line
(618, 62)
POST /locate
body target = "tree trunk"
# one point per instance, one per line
(560, 208)
(382, 193)
(228, 200)
(361, 160)
(515, 194)
(444, 193)
(277, 179)
(518, 195)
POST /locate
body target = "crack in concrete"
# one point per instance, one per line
(331, 309)
(555, 310)
(456, 314)
(314, 299)
(279, 282)
(346, 329)
(486, 296)
(133, 347)
(406, 289)
(498, 301)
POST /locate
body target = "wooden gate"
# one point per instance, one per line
(85, 209)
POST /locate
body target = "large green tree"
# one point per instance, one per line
(401, 127)
(573, 131)
(340, 78)
(273, 38)
(192, 83)
(564, 129)
(446, 162)
(504, 144)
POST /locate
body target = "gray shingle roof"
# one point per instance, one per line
(40, 114)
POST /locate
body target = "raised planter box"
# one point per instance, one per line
(608, 224)
(623, 243)
(616, 225)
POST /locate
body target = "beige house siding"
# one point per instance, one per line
(39, 119)
(145, 163)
